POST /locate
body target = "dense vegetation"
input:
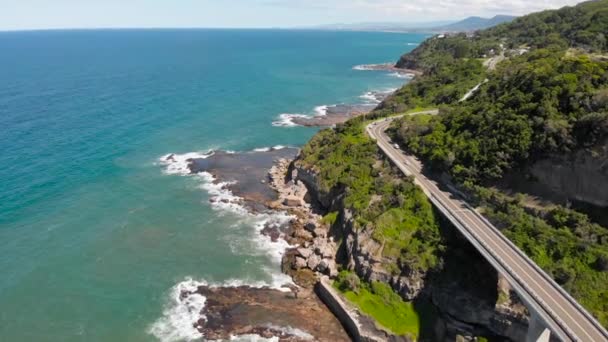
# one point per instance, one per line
(379, 301)
(584, 26)
(581, 26)
(549, 96)
(549, 100)
(543, 102)
(573, 250)
(396, 211)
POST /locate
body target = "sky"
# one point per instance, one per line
(53, 14)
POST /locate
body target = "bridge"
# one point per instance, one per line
(554, 313)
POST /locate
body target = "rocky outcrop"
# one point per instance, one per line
(464, 311)
(582, 175)
(317, 250)
(365, 257)
(285, 316)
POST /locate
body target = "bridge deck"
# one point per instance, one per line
(563, 315)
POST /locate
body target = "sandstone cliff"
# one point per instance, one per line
(582, 175)
(467, 292)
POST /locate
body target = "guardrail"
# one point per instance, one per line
(501, 264)
(543, 274)
(542, 305)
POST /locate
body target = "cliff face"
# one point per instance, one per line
(468, 304)
(582, 175)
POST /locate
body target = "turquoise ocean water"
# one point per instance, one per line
(94, 233)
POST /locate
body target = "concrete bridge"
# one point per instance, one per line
(554, 313)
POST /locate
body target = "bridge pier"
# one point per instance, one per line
(537, 332)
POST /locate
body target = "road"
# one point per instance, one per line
(565, 318)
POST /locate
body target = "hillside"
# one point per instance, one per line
(538, 125)
(538, 120)
(475, 23)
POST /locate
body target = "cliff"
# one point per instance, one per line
(582, 175)
(468, 305)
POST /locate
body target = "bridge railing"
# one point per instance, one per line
(529, 261)
(499, 263)
(543, 274)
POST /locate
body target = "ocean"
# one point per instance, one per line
(96, 233)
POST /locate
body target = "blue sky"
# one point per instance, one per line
(45, 14)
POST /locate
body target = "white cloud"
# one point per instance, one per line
(426, 9)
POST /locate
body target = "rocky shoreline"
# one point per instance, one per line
(388, 67)
(256, 182)
(276, 181)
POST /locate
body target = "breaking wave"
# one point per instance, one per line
(183, 313)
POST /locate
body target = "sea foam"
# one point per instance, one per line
(183, 313)
(286, 120)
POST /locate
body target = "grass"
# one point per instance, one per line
(380, 302)
(330, 218)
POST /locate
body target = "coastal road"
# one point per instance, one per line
(545, 299)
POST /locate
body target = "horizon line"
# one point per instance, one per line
(168, 28)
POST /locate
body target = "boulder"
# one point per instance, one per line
(292, 201)
(303, 234)
(323, 266)
(304, 252)
(313, 262)
(325, 250)
(320, 232)
(299, 263)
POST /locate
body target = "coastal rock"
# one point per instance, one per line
(300, 263)
(323, 266)
(288, 317)
(320, 232)
(304, 252)
(464, 311)
(292, 201)
(323, 248)
(581, 175)
(303, 235)
(310, 226)
(313, 261)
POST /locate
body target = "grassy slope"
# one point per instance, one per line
(396, 212)
(379, 301)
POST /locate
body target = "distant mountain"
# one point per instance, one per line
(385, 26)
(475, 23)
(465, 25)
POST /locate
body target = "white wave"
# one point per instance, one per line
(220, 196)
(268, 149)
(262, 149)
(412, 44)
(370, 97)
(177, 164)
(321, 110)
(223, 200)
(181, 314)
(375, 97)
(401, 75)
(366, 67)
(361, 67)
(286, 120)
